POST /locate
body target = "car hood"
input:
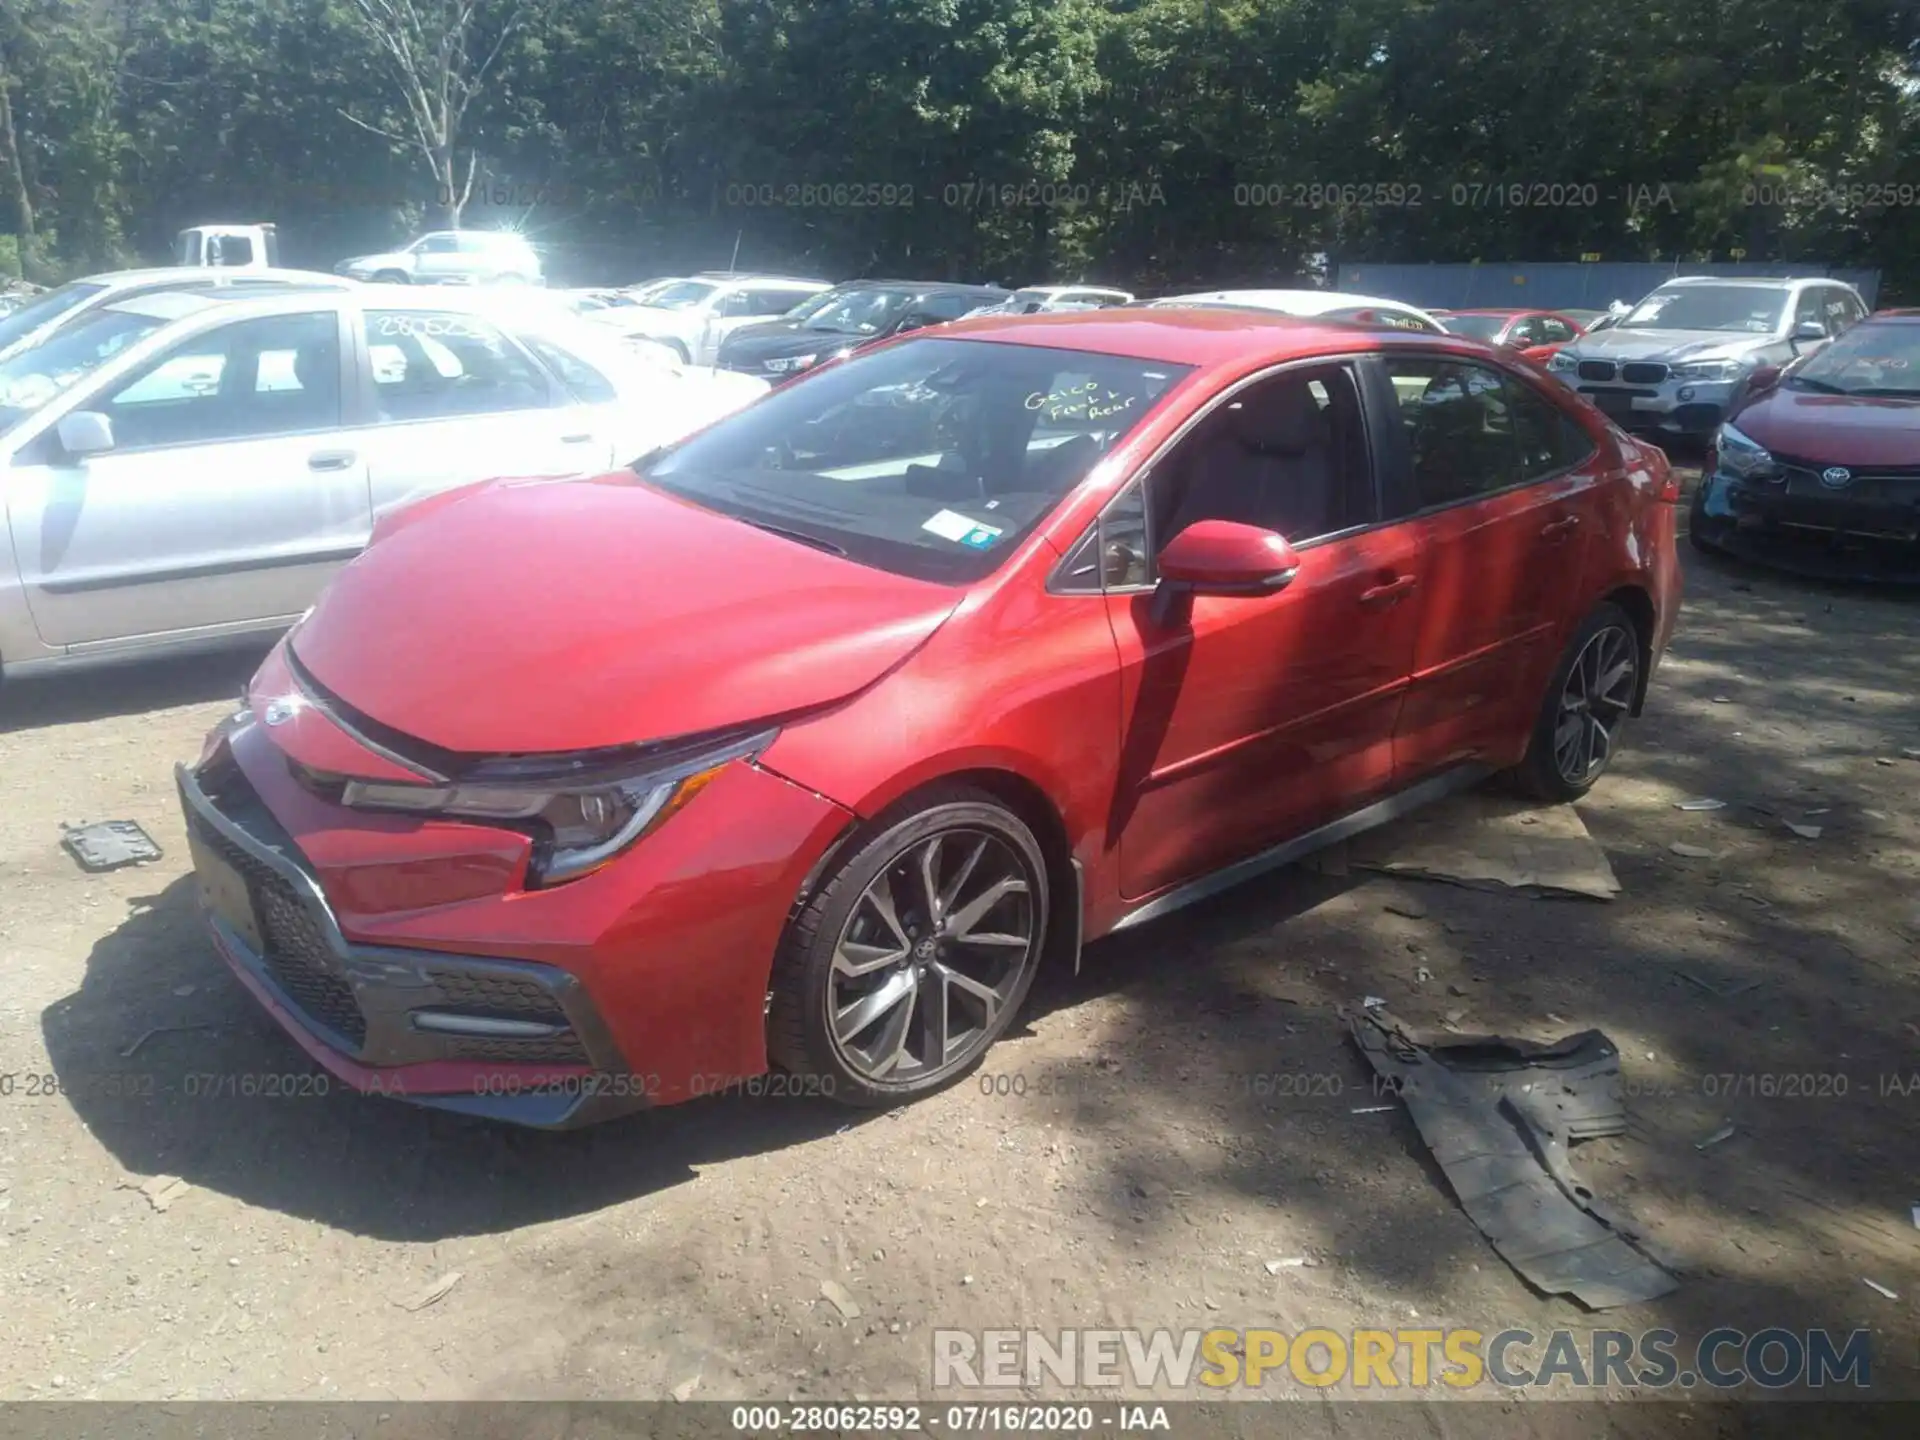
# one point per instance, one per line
(1835, 429)
(1668, 345)
(535, 617)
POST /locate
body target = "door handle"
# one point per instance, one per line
(580, 439)
(330, 459)
(1391, 591)
(1561, 527)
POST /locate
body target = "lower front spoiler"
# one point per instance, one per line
(540, 1099)
(1749, 528)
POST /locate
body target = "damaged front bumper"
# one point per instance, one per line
(506, 1040)
(1866, 529)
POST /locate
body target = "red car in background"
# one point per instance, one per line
(801, 744)
(1536, 334)
(1817, 465)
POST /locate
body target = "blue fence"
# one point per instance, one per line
(1556, 286)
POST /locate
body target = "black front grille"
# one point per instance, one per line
(1596, 370)
(500, 996)
(1642, 372)
(548, 1050)
(296, 951)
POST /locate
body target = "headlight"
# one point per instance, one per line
(792, 362)
(1561, 360)
(1709, 370)
(582, 811)
(1743, 456)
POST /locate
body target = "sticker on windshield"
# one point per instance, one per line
(949, 525)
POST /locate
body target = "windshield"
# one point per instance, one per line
(34, 376)
(931, 459)
(1480, 327)
(1741, 309)
(858, 312)
(681, 295)
(1879, 360)
(51, 306)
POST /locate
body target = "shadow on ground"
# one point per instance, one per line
(368, 1166)
(129, 689)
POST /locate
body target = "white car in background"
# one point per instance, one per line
(692, 316)
(1313, 304)
(206, 477)
(1046, 299)
(452, 257)
(40, 315)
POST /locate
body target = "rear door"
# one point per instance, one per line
(452, 399)
(231, 495)
(1503, 481)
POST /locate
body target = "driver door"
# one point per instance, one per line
(1250, 720)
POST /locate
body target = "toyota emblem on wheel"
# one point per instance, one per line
(1835, 477)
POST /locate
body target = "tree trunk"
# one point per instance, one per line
(452, 202)
(10, 155)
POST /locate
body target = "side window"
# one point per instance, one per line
(1460, 428)
(587, 383)
(1811, 310)
(1115, 555)
(1525, 332)
(1288, 454)
(431, 365)
(936, 309)
(1554, 330)
(732, 305)
(1550, 439)
(279, 375)
(772, 302)
(1836, 310)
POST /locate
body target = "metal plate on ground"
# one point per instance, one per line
(109, 844)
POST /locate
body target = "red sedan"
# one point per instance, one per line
(1536, 334)
(785, 757)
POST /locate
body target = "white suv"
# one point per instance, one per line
(452, 257)
(691, 317)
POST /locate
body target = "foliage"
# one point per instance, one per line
(1142, 142)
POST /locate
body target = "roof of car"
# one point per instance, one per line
(1199, 335)
(212, 274)
(1770, 282)
(1292, 302)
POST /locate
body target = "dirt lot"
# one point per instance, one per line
(1144, 1177)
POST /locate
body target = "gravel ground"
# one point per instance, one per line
(1121, 1160)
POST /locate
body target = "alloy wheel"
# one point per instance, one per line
(930, 956)
(1593, 703)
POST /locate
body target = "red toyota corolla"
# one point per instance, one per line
(799, 746)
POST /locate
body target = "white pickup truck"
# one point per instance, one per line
(231, 247)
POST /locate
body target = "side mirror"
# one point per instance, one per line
(1805, 332)
(84, 432)
(1223, 557)
(1764, 378)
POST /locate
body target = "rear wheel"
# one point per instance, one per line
(915, 954)
(1578, 730)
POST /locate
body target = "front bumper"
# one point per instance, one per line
(508, 1040)
(1666, 406)
(1866, 530)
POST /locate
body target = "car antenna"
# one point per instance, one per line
(736, 251)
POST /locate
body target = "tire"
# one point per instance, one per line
(888, 1052)
(391, 277)
(1553, 771)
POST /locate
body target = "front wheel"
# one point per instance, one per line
(915, 954)
(1578, 730)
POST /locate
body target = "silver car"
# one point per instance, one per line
(1674, 362)
(452, 257)
(40, 315)
(212, 458)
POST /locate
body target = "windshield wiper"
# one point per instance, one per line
(1803, 382)
(798, 535)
